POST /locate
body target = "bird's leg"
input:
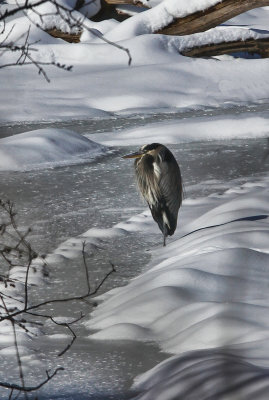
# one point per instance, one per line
(164, 234)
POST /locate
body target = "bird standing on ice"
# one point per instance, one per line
(159, 180)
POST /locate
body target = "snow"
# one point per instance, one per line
(47, 17)
(56, 14)
(101, 82)
(71, 248)
(204, 298)
(158, 17)
(192, 129)
(45, 148)
(182, 8)
(200, 371)
(188, 130)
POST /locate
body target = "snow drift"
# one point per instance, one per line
(189, 130)
(159, 76)
(45, 148)
(204, 299)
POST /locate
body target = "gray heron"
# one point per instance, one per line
(159, 180)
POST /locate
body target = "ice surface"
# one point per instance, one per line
(13, 295)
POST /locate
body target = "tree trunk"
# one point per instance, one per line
(203, 20)
(132, 2)
(252, 46)
(68, 37)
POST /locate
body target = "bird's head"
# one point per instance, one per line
(144, 150)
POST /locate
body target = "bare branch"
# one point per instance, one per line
(18, 248)
(86, 267)
(16, 349)
(65, 324)
(13, 386)
(25, 6)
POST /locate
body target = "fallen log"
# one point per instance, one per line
(68, 37)
(201, 21)
(124, 2)
(251, 46)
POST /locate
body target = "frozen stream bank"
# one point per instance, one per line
(64, 202)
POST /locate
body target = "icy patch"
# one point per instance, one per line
(93, 238)
(44, 148)
(13, 294)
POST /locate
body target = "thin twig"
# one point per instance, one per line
(16, 349)
(13, 386)
(73, 298)
(19, 248)
(65, 324)
(86, 267)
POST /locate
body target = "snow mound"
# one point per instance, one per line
(188, 130)
(45, 148)
(57, 14)
(205, 299)
(157, 18)
(224, 373)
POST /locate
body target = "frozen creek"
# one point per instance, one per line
(63, 202)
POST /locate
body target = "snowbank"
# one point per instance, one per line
(238, 372)
(158, 78)
(187, 130)
(45, 148)
(205, 299)
(162, 15)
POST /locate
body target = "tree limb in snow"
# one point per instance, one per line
(132, 2)
(211, 17)
(25, 51)
(252, 46)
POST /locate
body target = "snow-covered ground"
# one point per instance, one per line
(102, 82)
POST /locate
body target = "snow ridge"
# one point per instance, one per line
(204, 299)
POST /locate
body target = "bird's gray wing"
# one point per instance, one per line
(170, 184)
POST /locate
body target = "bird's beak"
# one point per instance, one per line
(133, 155)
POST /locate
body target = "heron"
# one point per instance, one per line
(160, 183)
